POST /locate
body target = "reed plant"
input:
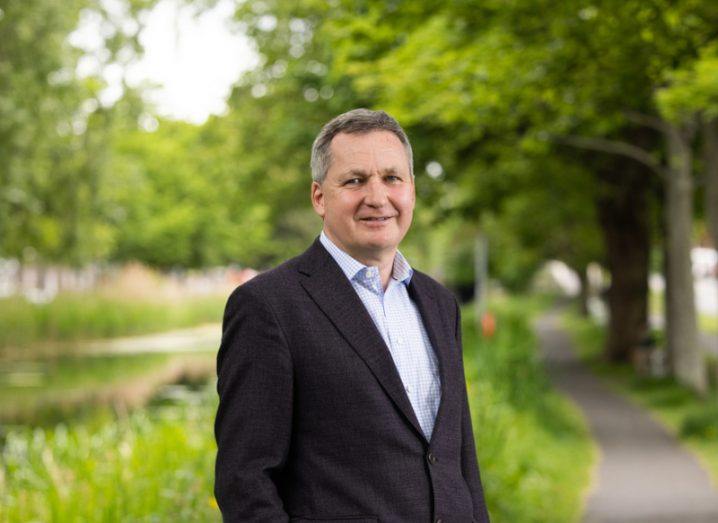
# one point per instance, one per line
(149, 465)
(71, 317)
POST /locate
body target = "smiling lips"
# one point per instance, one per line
(375, 218)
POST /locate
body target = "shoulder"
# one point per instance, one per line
(278, 276)
(433, 287)
(273, 282)
(445, 300)
(280, 288)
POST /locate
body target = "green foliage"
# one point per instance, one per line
(54, 130)
(692, 90)
(475, 94)
(86, 316)
(180, 201)
(152, 465)
(702, 424)
(37, 93)
(533, 445)
(487, 89)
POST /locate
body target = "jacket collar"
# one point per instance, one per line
(330, 289)
(351, 267)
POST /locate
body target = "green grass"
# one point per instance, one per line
(708, 323)
(88, 316)
(694, 420)
(533, 445)
(152, 465)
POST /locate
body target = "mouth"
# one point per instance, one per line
(375, 218)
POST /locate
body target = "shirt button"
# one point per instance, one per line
(400, 341)
(439, 520)
(431, 457)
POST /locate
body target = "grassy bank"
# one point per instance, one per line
(692, 419)
(533, 445)
(88, 316)
(152, 465)
(156, 463)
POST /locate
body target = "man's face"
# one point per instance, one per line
(367, 198)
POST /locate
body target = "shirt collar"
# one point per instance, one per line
(401, 270)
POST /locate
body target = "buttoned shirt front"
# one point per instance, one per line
(399, 322)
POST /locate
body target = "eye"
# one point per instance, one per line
(392, 178)
(353, 181)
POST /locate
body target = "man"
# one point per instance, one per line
(341, 384)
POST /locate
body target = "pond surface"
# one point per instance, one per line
(120, 374)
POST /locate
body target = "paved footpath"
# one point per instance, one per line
(643, 475)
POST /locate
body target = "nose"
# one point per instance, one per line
(375, 195)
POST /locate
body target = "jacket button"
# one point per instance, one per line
(432, 459)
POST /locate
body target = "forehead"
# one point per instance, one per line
(380, 147)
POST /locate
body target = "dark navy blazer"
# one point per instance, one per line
(314, 423)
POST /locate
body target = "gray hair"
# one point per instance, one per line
(355, 121)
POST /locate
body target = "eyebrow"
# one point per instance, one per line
(363, 174)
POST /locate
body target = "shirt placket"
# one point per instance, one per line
(400, 347)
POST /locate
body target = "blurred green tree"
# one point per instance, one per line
(54, 129)
(581, 74)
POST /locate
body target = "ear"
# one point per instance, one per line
(318, 198)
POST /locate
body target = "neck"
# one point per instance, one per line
(384, 259)
(385, 264)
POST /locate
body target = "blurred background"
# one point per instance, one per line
(154, 154)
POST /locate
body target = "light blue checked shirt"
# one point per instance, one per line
(399, 323)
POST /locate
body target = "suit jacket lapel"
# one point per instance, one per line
(437, 331)
(333, 293)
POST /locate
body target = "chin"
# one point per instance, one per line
(381, 245)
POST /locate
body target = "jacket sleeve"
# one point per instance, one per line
(254, 417)
(469, 463)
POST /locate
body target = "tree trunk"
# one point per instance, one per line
(689, 366)
(710, 172)
(667, 301)
(624, 216)
(584, 293)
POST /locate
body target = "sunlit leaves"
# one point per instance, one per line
(692, 90)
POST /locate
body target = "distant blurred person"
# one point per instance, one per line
(341, 383)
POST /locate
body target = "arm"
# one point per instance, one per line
(469, 464)
(254, 417)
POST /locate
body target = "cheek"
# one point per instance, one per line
(405, 200)
(349, 204)
(342, 210)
